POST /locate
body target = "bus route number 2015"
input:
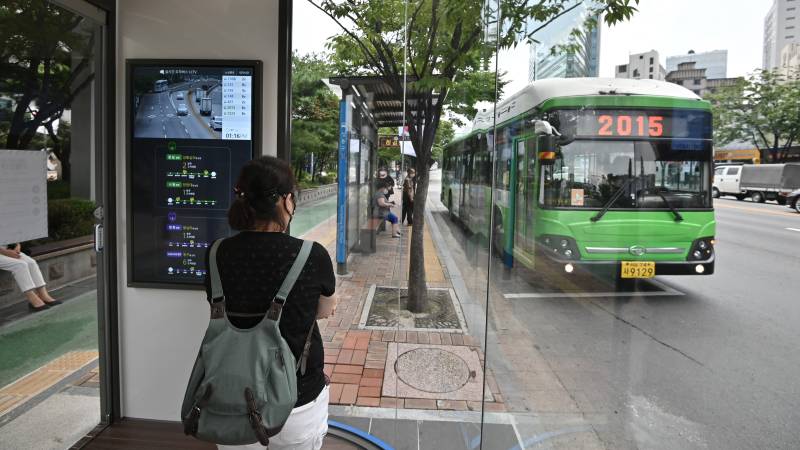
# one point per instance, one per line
(624, 125)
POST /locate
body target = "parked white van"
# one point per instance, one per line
(726, 181)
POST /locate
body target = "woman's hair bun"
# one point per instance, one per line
(261, 183)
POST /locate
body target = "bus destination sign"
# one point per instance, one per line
(684, 124)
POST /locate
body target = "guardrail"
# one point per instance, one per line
(309, 195)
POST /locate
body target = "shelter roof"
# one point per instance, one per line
(380, 97)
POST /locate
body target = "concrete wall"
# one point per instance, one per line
(160, 330)
(309, 195)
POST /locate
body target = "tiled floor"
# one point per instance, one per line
(356, 359)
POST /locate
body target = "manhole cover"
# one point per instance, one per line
(432, 370)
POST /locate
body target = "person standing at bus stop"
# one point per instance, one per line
(409, 189)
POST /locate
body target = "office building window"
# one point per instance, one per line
(651, 69)
(790, 37)
(651, 77)
(651, 60)
(622, 69)
(697, 81)
(641, 56)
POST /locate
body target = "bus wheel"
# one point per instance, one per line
(757, 197)
(797, 204)
(715, 192)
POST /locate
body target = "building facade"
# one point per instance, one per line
(715, 62)
(642, 66)
(790, 61)
(581, 60)
(695, 79)
(781, 28)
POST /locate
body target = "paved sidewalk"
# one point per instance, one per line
(361, 362)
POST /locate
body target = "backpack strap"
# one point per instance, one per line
(276, 306)
(217, 296)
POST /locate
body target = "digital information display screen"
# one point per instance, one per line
(654, 124)
(191, 131)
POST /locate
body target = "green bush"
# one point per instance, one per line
(306, 184)
(69, 218)
(327, 179)
(57, 189)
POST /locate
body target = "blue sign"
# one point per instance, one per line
(341, 201)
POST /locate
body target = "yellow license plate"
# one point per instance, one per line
(638, 269)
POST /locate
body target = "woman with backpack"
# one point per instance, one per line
(253, 268)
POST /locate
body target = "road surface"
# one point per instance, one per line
(157, 114)
(685, 362)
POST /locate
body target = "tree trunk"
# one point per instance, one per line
(417, 283)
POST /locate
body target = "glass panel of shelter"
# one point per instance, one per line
(50, 358)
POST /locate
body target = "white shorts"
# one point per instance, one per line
(304, 430)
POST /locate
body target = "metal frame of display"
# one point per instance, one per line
(256, 137)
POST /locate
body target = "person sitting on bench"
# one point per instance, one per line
(383, 209)
(28, 276)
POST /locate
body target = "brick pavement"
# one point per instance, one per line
(356, 359)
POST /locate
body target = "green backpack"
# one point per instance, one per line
(244, 384)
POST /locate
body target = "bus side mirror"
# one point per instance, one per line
(547, 149)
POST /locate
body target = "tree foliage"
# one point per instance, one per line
(442, 43)
(45, 61)
(764, 109)
(315, 112)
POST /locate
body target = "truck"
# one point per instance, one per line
(760, 182)
(198, 94)
(205, 106)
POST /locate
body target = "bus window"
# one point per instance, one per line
(648, 171)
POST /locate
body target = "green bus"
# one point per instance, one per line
(590, 172)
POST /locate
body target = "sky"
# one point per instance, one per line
(672, 27)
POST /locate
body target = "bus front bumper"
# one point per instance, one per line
(705, 267)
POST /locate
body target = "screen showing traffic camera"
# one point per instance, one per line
(191, 131)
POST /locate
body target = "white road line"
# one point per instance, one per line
(794, 229)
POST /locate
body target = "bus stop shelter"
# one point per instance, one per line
(367, 104)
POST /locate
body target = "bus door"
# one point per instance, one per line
(524, 192)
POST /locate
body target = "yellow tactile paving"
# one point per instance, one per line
(433, 267)
(43, 378)
(324, 233)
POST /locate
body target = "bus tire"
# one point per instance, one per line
(715, 192)
(797, 204)
(757, 197)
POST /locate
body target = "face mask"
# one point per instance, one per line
(286, 207)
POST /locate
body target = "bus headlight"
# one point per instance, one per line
(702, 249)
(561, 247)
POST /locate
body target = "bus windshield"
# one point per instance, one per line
(655, 174)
